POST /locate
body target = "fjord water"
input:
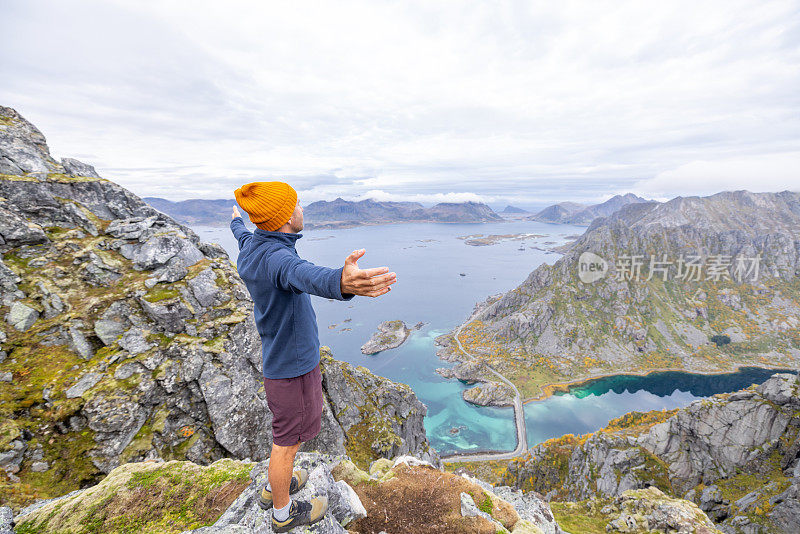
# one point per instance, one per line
(429, 260)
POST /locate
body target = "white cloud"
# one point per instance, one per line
(433, 198)
(758, 173)
(511, 101)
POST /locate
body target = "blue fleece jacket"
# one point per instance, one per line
(279, 282)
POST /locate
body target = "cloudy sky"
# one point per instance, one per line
(503, 102)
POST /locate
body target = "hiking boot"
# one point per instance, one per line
(302, 513)
(299, 478)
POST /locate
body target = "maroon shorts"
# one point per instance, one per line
(296, 406)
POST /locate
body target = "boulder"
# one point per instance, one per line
(21, 316)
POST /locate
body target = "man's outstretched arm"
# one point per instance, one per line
(291, 273)
(367, 282)
(240, 231)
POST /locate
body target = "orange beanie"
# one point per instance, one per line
(269, 204)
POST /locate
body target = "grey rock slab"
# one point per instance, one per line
(469, 509)
(21, 316)
(158, 250)
(134, 341)
(39, 467)
(78, 168)
(114, 321)
(205, 289)
(85, 383)
(237, 415)
(245, 516)
(169, 314)
(15, 230)
(6, 520)
(131, 227)
(79, 342)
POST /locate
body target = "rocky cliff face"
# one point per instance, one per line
(732, 310)
(737, 456)
(124, 338)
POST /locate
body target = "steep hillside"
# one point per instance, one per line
(740, 306)
(557, 213)
(572, 213)
(340, 210)
(737, 456)
(513, 209)
(125, 338)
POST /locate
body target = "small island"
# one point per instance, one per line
(390, 335)
(489, 394)
(479, 240)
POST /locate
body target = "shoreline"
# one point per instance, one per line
(346, 226)
(552, 388)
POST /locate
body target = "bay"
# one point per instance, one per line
(429, 260)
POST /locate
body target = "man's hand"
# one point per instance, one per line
(235, 213)
(365, 282)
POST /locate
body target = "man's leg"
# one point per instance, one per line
(281, 463)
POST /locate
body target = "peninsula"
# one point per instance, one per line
(738, 305)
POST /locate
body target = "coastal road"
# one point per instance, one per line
(519, 415)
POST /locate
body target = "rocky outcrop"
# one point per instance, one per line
(637, 511)
(489, 394)
(126, 338)
(648, 309)
(390, 335)
(737, 456)
(468, 371)
(223, 496)
(406, 495)
(401, 495)
(371, 417)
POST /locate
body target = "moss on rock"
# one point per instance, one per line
(165, 497)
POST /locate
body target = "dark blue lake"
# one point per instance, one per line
(429, 259)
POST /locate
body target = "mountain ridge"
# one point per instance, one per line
(580, 214)
(568, 330)
(337, 213)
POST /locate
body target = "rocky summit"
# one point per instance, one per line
(698, 284)
(403, 495)
(736, 456)
(125, 338)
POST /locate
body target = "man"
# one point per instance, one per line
(280, 282)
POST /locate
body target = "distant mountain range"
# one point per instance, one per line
(195, 211)
(338, 213)
(574, 213)
(514, 209)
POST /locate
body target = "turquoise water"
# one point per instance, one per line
(429, 259)
(591, 405)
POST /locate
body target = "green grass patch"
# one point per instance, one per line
(157, 294)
